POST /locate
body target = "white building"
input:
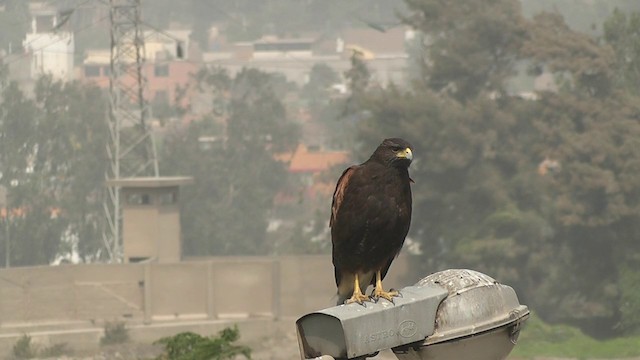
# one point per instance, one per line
(49, 45)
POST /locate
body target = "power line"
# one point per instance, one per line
(70, 12)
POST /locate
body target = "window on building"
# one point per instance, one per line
(168, 198)
(91, 71)
(161, 70)
(139, 199)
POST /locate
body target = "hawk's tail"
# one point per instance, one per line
(345, 284)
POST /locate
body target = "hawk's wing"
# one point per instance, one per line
(338, 194)
(345, 225)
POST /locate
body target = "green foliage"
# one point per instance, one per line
(24, 349)
(538, 339)
(582, 15)
(191, 346)
(467, 57)
(555, 46)
(55, 350)
(484, 197)
(226, 212)
(309, 234)
(630, 298)
(52, 160)
(358, 78)
(33, 235)
(622, 32)
(317, 89)
(115, 333)
(358, 75)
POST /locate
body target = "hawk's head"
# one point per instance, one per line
(394, 152)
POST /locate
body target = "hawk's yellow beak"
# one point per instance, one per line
(405, 154)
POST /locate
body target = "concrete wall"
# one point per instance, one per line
(67, 293)
(206, 288)
(262, 295)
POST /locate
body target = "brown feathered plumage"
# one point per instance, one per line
(370, 218)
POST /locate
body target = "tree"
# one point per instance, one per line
(622, 32)
(53, 164)
(531, 192)
(358, 78)
(17, 142)
(593, 127)
(318, 87)
(582, 16)
(75, 151)
(231, 155)
(469, 54)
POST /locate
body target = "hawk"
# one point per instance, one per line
(370, 218)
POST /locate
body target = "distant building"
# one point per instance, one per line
(374, 43)
(271, 47)
(49, 45)
(165, 67)
(385, 53)
(312, 160)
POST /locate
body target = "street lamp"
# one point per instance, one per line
(451, 314)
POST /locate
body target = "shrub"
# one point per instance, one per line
(24, 349)
(55, 350)
(191, 346)
(114, 333)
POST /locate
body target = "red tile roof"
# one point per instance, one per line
(304, 160)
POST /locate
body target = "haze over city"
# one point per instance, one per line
(169, 168)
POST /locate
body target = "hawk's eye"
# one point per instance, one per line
(396, 148)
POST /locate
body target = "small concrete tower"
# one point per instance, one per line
(151, 217)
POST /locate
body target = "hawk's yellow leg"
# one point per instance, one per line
(357, 296)
(378, 291)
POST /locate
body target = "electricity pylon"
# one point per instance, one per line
(131, 147)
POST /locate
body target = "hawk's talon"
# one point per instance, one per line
(389, 295)
(359, 298)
